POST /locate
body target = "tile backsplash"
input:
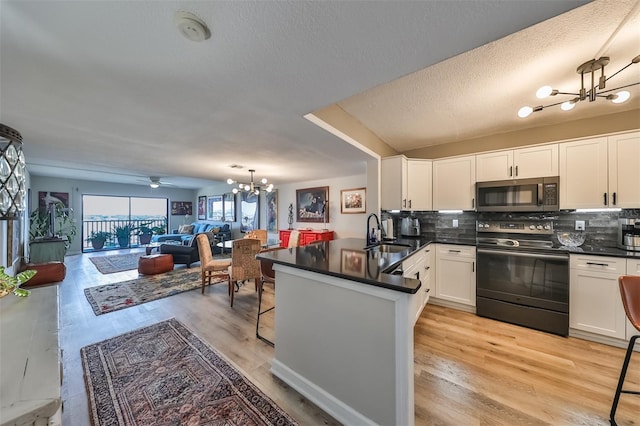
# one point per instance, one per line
(601, 227)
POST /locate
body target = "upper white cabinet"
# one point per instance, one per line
(536, 161)
(600, 172)
(624, 170)
(406, 184)
(454, 182)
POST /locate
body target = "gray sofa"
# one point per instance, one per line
(224, 233)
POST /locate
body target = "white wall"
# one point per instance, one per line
(78, 188)
(343, 225)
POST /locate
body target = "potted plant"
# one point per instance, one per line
(158, 230)
(98, 238)
(9, 284)
(64, 225)
(144, 233)
(123, 233)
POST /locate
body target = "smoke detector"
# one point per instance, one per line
(192, 27)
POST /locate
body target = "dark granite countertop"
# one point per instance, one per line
(347, 258)
(601, 251)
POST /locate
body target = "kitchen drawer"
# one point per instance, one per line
(455, 250)
(633, 266)
(613, 265)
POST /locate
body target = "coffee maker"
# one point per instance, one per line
(629, 234)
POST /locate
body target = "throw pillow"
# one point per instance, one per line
(185, 229)
(215, 230)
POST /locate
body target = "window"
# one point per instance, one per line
(103, 213)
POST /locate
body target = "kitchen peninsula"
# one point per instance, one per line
(344, 329)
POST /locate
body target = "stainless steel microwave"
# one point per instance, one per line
(518, 195)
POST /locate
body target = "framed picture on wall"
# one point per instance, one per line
(353, 200)
(181, 208)
(214, 208)
(229, 207)
(311, 204)
(202, 207)
(272, 210)
(46, 198)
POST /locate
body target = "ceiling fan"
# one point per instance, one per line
(155, 182)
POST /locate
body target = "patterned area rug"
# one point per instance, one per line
(165, 375)
(111, 297)
(116, 262)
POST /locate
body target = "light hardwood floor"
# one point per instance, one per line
(468, 370)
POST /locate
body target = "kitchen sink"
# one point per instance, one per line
(389, 247)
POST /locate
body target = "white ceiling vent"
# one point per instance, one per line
(192, 27)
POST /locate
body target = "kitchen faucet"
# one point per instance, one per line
(372, 238)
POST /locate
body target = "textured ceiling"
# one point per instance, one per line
(110, 90)
(479, 92)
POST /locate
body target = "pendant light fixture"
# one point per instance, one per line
(595, 89)
(250, 187)
(12, 174)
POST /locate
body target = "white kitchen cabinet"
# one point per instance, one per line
(456, 274)
(420, 266)
(454, 182)
(624, 170)
(633, 266)
(595, 304)
(523, 163)
(406, 184)
(600, 172)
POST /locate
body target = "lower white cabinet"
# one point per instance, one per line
(633, 268)
(595, 305)
(456, 274)
(420, 266)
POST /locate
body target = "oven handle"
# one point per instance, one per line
(523, 254)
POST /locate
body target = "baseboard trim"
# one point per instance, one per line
(331, 405)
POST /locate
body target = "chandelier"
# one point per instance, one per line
(250, 187)
(12, 174)
(591, 92)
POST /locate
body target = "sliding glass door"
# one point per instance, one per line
(120, 221)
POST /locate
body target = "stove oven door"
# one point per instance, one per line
(539, 280)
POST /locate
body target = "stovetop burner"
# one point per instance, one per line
(523, 235)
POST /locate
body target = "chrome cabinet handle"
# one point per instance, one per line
(597, 264)
(516, 171)
(510, 170)
(605, 198)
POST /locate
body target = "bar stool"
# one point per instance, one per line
(267, 276)
(630, 292)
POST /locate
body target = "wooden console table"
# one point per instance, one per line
(30, 354)
(306, 236)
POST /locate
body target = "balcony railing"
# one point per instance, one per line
(90, 226)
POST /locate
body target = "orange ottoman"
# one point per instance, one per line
(155, 264)
(47, 273)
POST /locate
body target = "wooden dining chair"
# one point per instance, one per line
(244, 265)
(630, 293)
(210, 267)
(267, 276)
(294, 239)
(258, 234)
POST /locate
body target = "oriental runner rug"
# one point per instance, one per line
(146, 288)
(165, 375)
(116, 262)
